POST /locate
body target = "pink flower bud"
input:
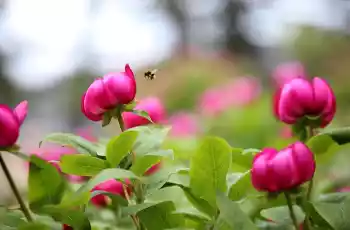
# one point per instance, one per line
(287, 72)
(275, 171)
(10, 122)
(153, 169)
(21, 111)
(212, 102)
(183, 124)
(299, 98)
(111, 186)
(108, 92)
(153, 106)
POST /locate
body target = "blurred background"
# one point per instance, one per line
(218, 62)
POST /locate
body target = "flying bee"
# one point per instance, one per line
(150, 75)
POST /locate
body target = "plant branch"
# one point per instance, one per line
(291, 211)
(15, 190)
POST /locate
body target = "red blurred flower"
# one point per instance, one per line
(153, 169)
(183, 124)
(108, 92)
(288, 71)
(67, 227)
(111, 186)
(302, 98)
(153, 106)
(10, 123)
(275, 171)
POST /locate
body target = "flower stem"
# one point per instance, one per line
(15, 190)
(291, 211)
(134, 218)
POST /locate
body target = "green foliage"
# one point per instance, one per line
(82, 165)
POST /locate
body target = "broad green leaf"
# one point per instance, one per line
(281, 214)
(142, 113)
(33, 226)
(241, 187)
(67, 139)
(182, 179)
(243, 157)
(200, 204)
(116, 199)
(336, 197)
(150, 138)
(143, 163)
(120, 146)
(104, 175)
(335, 215)
(323, 146)
(209, 167)
(339, 135)
(45, 184)
(182, 204)
(134, 209)
(70, 216)
(231, 213)
(82, 165)
(10, 219)
(160, 217)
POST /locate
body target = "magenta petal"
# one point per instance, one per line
(9, 127)
(129, 72)
(21, 111)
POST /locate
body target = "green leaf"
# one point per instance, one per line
(116, 199)
(323, 146)
(150, 138)
(82, 165)
(243, 157)
(160, 217)
(10, 219)
(209, 167)
(281, 214)
(143, 114)
(120, 146)
(231, 213)
(200, 204)
(240, 187)
(104, 175)
(335, 215)
(134, 209)
(45, 184)
(72, 217)
(67, 139)
(339, 135)
(33, 226)
(143, 163)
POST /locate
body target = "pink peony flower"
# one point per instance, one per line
(153, 106)
(288, 71)
(10, 123)
(183, 124)
(111, 186)
(108, 92)
(300, 98)
(276, 171)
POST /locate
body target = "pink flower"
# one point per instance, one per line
(288, 71)
(301, 98)
(10, 123)
(111, 186)
(108, 92)
(344, 189)
(212, 102)
(242, 91)
(153, 106)
(275, 171)
(183, 124)
(86, 133)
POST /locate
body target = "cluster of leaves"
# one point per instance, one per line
(208, 188)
